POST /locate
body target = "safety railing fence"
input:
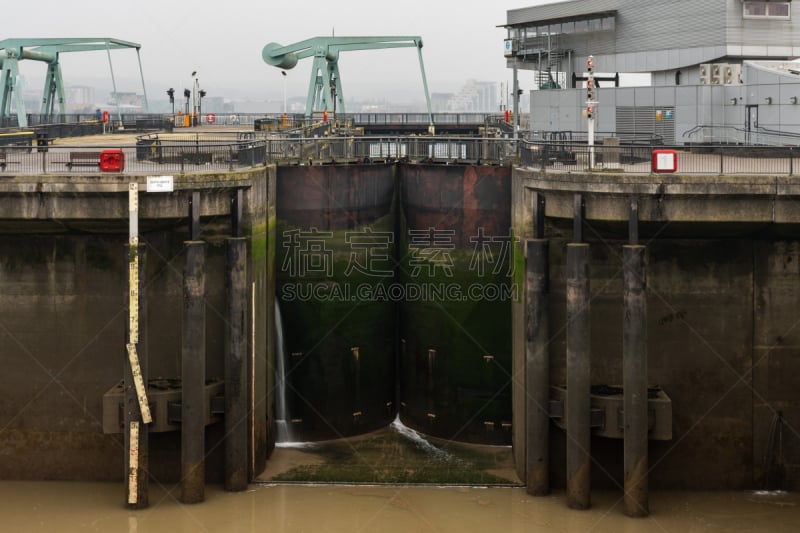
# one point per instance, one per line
(154, 159)
(266, 119)
(416, 148)
(582, 137)
(157, 154)
(736, 135)
(637, 158)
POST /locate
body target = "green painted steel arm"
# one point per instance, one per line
(326, 50)
(48, 50)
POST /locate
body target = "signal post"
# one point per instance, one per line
(591, 103)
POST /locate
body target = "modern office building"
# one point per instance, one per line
(720, 70)
(475, 97)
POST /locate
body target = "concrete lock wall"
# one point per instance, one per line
(722, 342)
(63, 278)
(721, 298)
(700, 329)
(61, 305)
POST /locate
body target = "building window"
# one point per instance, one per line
(766, 10)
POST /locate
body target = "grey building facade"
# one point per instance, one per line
(720, 70)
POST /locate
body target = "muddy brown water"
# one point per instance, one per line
(68, 507)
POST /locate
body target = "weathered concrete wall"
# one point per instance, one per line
(259, 222)
(723, 285)
(699, 298)
(776, 364)
(721, 315)
(62, 317)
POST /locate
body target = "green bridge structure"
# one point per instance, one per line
(48, 51)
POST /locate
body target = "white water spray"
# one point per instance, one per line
(421, 442)
(281, 410)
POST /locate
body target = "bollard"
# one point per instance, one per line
(537, 369)
(578, 406)
(634, 378)
(193, 371)
(236, 414)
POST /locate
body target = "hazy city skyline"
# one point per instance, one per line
(461, 42)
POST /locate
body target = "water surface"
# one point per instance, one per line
(67, 507)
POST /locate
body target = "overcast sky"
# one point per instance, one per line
(222, 41)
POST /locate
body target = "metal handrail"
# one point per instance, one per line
(756, 136)
(700, 158)
(196, 153)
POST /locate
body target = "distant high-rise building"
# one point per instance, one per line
(475, 97)
(80, 95)
(440, 101)
(127, 99)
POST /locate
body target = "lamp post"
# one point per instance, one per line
(186, 94)
(200, 95)
(194, 99)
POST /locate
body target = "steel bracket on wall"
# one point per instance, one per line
(608, 416)
(164, 396)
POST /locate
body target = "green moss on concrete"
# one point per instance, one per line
(388, 457)
(259, 242)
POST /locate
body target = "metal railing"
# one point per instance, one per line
(195, 153)
(412, 148)
(582, 136)
(757, 136)
(637, 158)
(157, 154)
(230, 118)
(149, 160)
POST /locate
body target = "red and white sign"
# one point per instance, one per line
(211, 118)
(665, 161)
